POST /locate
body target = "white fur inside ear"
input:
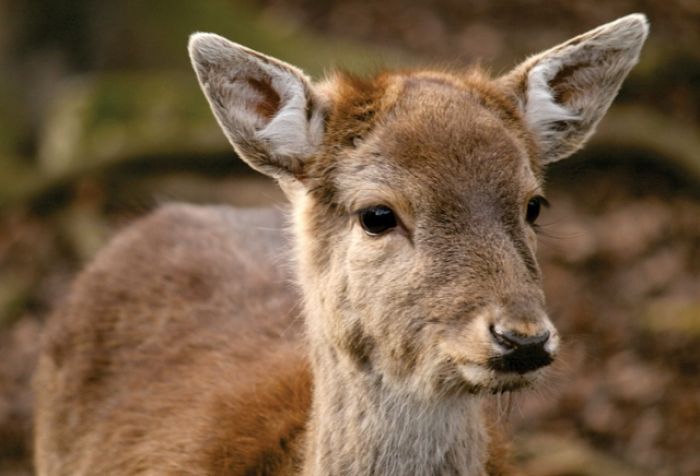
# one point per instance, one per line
(291, 132)
(267, 108)
(237, 100)
(541, 110)
(569, 88)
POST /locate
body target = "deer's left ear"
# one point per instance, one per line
(565, 91)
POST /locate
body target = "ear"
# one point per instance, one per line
(565, 91)
(266, 108)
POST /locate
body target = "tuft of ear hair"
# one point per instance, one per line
(565, 91)
(266, 108)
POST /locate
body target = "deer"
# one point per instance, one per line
(364, 330)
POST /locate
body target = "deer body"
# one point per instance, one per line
(195, 329)
(183, 349)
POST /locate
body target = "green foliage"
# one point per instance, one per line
(161, 38)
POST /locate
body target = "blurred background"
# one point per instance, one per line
(101, 120)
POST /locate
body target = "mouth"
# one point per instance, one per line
(497, 358)
(487, 379)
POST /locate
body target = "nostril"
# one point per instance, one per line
(513, 339)
(501, 338)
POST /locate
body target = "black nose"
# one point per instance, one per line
(521, 353)
(512, 339)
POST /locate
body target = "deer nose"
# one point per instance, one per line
(521, 353)
(512, 339)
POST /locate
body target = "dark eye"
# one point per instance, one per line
(377, 220)
(533, 209)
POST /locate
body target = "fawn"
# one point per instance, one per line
(184, 349)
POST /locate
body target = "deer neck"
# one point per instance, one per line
(361, 426)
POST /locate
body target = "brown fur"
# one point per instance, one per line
(182, 334)
(181, 349)
(97, 379)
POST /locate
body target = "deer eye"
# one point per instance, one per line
(533, 209)
(377, 220)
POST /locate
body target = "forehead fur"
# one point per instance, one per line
(434, 125)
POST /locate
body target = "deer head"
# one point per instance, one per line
(415, 197)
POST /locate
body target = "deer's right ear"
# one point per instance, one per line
(266, 108)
